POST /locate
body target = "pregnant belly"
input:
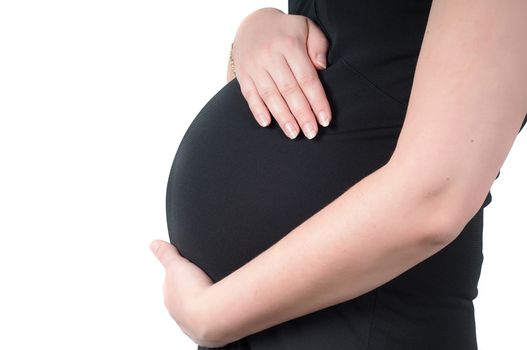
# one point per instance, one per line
(236, 188)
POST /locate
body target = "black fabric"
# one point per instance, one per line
(236, 188)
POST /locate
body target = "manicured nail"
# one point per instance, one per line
(154, 245)
(321, 60)
(291, 131)
(261, 120)
(309, 130)
(324, 119)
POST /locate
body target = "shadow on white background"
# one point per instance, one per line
(94, 100)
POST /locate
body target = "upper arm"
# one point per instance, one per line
(468, 100)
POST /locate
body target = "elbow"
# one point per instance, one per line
(443, 200)
(449, 215)
(442, 228)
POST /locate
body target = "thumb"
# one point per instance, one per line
(165, 252)
(317, 44)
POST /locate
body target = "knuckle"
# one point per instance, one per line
(282, 118)
(289, 88)
(248, 93)
(301, 20)
(266, 49)
(267, 92)
(307, 78)
(303, 114)
(289, 41)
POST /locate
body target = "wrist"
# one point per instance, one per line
(209, 329)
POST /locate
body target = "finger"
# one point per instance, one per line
(317, 44)
(165, 252)
(254, 101)
(309, 81)
(275, 103)
(293, 95)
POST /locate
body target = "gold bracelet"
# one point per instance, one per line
(231, 61)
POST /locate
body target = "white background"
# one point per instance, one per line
(94, 99)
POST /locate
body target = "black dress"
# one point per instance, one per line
(236, 188)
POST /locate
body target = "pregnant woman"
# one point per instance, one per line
(367, 235)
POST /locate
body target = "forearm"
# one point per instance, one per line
(464, 112)
(377, 229)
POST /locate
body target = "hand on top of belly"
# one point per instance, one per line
(276, 56)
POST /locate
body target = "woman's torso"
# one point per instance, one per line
(236, 188)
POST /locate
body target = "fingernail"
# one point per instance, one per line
(309, 130)
(291, 131)
(261, 120)
(321, 60)
(153, 246)
(324, 119)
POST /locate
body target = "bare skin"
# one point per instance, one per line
(468, 101)
(276, 56)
